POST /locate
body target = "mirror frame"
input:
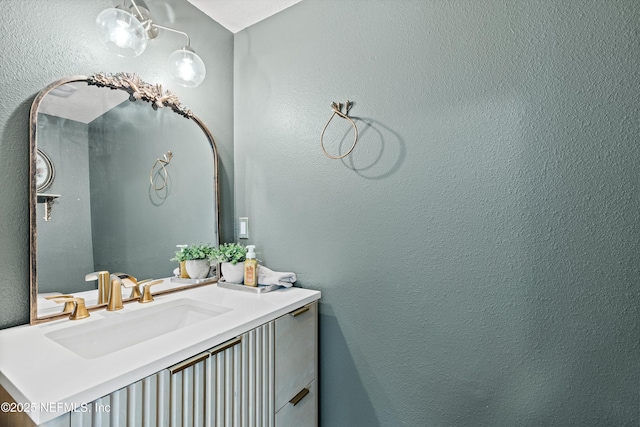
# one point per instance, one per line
(138, 90)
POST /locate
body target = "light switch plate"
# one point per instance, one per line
(243, 227)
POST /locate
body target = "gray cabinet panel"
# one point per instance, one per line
(302, 413)
(296, 350)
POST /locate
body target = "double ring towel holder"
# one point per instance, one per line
(337, 110)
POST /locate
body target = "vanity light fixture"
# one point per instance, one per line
(125, 30)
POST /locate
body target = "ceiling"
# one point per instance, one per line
(88, 102)
(236, 15)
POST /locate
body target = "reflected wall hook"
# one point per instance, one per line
(48, 200)
(337, 110)
(164, 161)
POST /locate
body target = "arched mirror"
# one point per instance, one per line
(121, 173)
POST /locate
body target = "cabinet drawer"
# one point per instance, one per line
(300, 412)
(296, 349)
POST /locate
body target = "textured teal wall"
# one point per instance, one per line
(478, 252)
(44, 41)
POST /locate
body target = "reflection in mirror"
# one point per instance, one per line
(115, 202)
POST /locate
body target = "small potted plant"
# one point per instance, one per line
(196, 258)
(230, 256)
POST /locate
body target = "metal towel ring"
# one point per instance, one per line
(164, 161)
(337, 110)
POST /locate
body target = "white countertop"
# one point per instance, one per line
(36, 370)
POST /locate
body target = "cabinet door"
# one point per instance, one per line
(206, 389)
(301, 411)
(223, 385)
(144, 403)
(295, 355)
(258, 377)
(188, 392)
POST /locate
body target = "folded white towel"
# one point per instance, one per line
(267, 276)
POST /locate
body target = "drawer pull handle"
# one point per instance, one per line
(188, 363)
(298, 397)
(299, 311)
(222, 347)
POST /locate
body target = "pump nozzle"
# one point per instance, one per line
(251, 254)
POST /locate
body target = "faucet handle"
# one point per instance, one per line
(103, 284)
(68, 307)
(140, 286)
(135, 291)
(146, 296)
(79, 309)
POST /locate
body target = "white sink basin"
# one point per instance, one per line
(123, 329)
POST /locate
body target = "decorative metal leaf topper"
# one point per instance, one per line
(139, 89)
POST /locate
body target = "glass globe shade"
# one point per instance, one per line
(121, 32)
(186, 67)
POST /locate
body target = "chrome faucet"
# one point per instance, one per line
(115, 294)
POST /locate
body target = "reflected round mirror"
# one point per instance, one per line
(135, 175)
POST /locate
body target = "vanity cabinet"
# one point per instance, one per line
(265, 377)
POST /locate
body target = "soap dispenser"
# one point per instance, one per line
(251, 267)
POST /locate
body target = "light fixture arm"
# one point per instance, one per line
(149, 21)
(174, 30)
(136, 8)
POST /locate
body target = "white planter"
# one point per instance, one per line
(232, 273)
(198, 268)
